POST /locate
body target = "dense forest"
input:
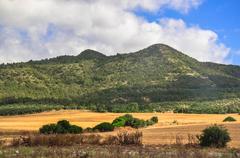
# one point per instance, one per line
(157, 78)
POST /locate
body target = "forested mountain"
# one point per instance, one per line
(155, 74)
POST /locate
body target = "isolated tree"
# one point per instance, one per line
(214, 136)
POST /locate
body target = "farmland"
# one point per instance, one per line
(170, 128)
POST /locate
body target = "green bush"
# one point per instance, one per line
(154, 119)
(64, 123)
(129, 120)
(229, 119)
(119, 122)
(75, 129)
(62, 127)
(138, 123)
(149, 122)
(104, 127)
(48, 129)
(214, 136)
(122, 121)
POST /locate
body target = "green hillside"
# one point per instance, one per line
(156, 77)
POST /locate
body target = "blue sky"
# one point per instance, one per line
(207, 30)
(220, 16)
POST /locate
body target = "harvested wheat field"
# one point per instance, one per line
(172, 128)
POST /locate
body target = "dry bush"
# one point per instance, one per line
(192, 140)
(3, 142)
(92, 139)
(126, 138)
(111, 140)
(179, 140)
(56, 140)
(123, 138)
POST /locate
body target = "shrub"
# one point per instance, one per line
(149, 122)
(122, 121)
(229, 119)
(214, 136)
(154, 119)
(62, 127)
(138, 123)
(104, 127)
(119, 122)
(48, 129)
(75, 129)
(64, 124)
(60, 130)
(129, 120)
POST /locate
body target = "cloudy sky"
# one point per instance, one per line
(208, 30)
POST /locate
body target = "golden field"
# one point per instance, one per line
(169, 127)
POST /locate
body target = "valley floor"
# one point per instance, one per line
(171, 129)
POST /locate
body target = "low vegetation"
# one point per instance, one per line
(62, 127)
(104, 127)
(213, 107)
(122, 138)
(116, 151)
(129, 120)
(19, 109)
(229, 119)
(214, 136)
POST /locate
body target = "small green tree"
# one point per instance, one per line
(138, 123)
(122, 120)
(229, 119)
(75, 129)
(64, 123)
(119, 122)
(154, 119)
(214, 136)
(149, 122)
(48, 129)
(104, 127)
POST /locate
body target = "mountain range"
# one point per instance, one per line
(155, 74)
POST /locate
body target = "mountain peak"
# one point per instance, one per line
(160, 46)
(159, 49)
(91, 54)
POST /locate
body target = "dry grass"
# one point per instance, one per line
(185, 134)
(122, 138)
(165, 132)
(90, 119)
(116, 151)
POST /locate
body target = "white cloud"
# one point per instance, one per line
(47, 28)
(154, 5)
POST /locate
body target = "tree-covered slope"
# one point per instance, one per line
(155, 74)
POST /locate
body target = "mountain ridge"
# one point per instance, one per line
(158, 73)
(97, 53)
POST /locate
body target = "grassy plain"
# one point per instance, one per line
(172, 128)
